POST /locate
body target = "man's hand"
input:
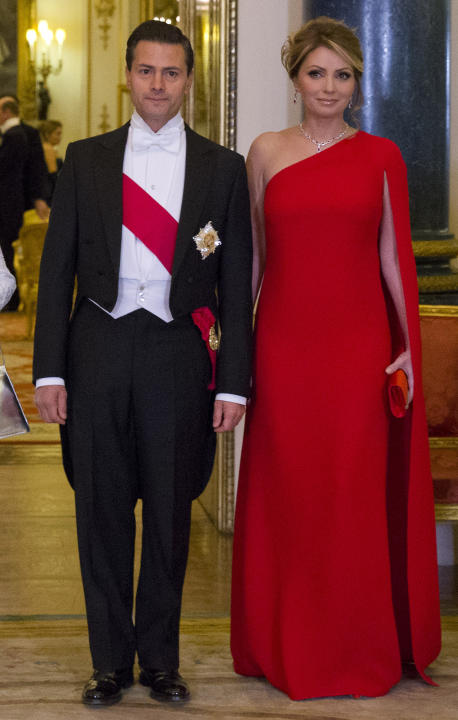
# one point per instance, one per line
(41, 208)
(51, 401)
(226, 415)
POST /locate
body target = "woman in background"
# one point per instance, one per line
(334, 573)
(51, 134)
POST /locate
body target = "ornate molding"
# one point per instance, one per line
(104, 125)
(26, 80)
(438, 310)
(446, 513)
(104, 9)
(438, 283)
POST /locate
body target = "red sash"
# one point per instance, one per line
(149, 221)
(157, 229)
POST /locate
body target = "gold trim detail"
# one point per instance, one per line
(446, 513)
(435, 248)
(104, 10)
(446, 443)
(438, 310)
(438, 283)
(104, 125)
(26, 80)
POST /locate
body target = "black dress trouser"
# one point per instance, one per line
(139, 426)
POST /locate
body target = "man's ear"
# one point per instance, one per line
(189, 81)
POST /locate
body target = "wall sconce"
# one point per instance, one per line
(41, 50)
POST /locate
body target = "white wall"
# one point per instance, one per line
(264, 91)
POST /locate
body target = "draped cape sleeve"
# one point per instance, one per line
(410, 501)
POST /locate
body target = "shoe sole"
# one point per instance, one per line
(96, 703)
(109, 701)
(162, 698)
(168, 698)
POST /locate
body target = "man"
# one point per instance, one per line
(13, 154)
(154, 221)
(35, 172)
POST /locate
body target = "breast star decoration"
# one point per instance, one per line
(207, 240)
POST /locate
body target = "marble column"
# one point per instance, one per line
(407, 99)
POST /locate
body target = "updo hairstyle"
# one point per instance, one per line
(325, 32)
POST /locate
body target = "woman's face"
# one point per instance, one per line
(55, 137)
(326, 83)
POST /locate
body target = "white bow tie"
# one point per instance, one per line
(144, 140)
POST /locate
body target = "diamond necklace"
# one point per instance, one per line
(322, 143)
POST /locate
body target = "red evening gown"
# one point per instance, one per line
(334, 572)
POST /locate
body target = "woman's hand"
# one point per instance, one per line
(403, 362)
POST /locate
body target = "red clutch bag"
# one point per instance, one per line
(398, 391)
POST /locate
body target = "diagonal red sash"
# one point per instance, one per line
(149, 221)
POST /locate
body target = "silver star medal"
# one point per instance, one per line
(207, 240)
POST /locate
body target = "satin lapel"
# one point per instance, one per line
(108, 163)
(196, 184)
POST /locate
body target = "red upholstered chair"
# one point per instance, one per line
(439, 331)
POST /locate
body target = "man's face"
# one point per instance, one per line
(4, 115)
(158, 81)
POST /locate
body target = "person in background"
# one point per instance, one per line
(13, 155)
(335, 585)
(51, 134)
(35, 172)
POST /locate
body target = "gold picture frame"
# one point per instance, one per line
(444, 512)
(26, 89)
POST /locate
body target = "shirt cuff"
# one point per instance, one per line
(231, 398)
(50, 381)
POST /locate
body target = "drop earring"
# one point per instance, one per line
(350, 104)
(295, 97)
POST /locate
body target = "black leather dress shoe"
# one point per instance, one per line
(166, 685)
(106, 688)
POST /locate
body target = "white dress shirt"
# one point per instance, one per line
(8, 124)
(156, 162)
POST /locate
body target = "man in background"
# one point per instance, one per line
(13, 157)
(35, 172)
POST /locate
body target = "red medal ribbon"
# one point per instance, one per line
(204, 319)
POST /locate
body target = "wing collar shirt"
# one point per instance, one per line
(156, 162)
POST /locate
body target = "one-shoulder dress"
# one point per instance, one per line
(334, 569)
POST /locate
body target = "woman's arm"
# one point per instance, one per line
(256, 185)
(389, 262)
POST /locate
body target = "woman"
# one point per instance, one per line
(7, 282)
(51, 135)
(335, 577)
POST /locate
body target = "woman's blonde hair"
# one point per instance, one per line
(325, 32)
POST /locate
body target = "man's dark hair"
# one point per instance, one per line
(158, 31)
(10, 105)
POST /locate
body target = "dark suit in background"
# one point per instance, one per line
(35, 175)
(13, 158)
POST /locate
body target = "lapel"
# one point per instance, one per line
(196, 184)
(108, 163)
